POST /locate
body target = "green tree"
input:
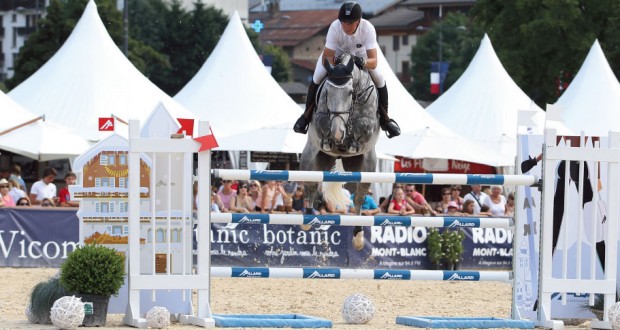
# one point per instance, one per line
(460, 40)
(281, 69)
(540, 40)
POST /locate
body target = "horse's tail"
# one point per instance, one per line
(332, 191)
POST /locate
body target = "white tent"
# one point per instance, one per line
(234, 91)
(591, 103)
(424, 136)
(89, 77)
(484, 103)
(27, 134)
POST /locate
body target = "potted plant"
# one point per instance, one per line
(434, 247)
(453, 248)
(94, 272)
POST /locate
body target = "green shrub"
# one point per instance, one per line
(42, 298)
(93, 269)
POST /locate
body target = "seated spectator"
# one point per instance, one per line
(64, 197)
(479, 197)
(298, 203)
(442, 206)
(369, 207)
(290, 187)
(510, 205)
(497, 207)
(468, 207)
(5, 189)
(384, 206)
(399, 204)
(215, 203)
(453, 210)
(256, 195)
(456, 195)
(226, 193)
(24, 201)
(280, 199)
(417, 200)
(47, 202)
(242, 202)
(268, 195)
(16, 192)
(485, 210)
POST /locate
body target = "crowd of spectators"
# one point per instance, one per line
(42, 193)
(404, 199)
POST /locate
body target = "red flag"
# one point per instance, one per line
(206, 142)
(106, 124)
(187, 125)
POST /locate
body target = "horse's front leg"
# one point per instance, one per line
(358, 231)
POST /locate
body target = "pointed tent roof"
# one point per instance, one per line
(39, 139)
(234, 91)
(423, 136)
(592, 101)
(89, 77)
(484, 103)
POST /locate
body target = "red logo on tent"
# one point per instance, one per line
(106, 124)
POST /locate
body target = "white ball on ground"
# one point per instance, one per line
(158, 317)
(67, 312)
(358, 309)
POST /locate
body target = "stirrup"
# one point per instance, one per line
(391, 128)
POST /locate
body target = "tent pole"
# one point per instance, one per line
(22, 125)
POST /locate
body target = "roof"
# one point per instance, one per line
(294, 88)
(306, 64)
(370, 7)
(398, 18)
(113, 142)
(293, 27)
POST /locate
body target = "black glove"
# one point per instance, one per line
(359, 61)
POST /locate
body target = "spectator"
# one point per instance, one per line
(510, 205)
(242, 202)
(369, 207)
(479, 197)
(453, 209)
(16, 174)
(24, 201)
(44, 188)
(417, 200)
(498, 202)
(384, 206)
(442, 206)
(269, 192)
(456, 196)
(47, 202)
(16, 192)
(290, 187)
(215, 203)
(280, 198)
(64, 196)
(256, 195)
(5, 189)
(399, 204)
(468, 207)
(298, 203)
(226, 193)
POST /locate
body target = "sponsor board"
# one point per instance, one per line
(458, 222)
(250, 272)
(332, 220)
(250, 219)
(461, 276)
(325, 273)
(392, 221)
(392, 274)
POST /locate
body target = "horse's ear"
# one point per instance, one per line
(350, 64)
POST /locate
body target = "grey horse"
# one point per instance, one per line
(344, 129)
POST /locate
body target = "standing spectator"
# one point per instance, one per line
(399, 204)
(369, 207)
(226, 193)
(44, 188)
(64, 197)
(16, 192)
(242, 202)
(456, 196)
(269, 192)
(16, 174)
(498, 202)
(479, 197)
(5, 189)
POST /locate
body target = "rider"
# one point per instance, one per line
(350, 33)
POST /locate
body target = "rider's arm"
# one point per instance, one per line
(329, 54)
(371, 61)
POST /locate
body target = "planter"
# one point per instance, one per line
(95, 309)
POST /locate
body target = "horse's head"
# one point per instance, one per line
(339, 101)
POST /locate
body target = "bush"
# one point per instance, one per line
(42, 298)
(93, 269)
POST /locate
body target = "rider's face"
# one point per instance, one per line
(350, 27)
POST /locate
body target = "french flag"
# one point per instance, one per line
(434, 82)
(439, 70)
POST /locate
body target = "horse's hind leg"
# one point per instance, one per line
(314, 162)
(359, 164)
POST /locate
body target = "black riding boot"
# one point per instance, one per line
(301, 125)
(388, 125)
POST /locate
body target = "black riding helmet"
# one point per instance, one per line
(350, 11)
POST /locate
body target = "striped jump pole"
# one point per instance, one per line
(376, 177)
(362, 274)
(361, 220)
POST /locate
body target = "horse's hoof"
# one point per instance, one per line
(358, 240)
(305, 227)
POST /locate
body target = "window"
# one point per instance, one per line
(103, 159)
(122, 183)
(160, 237)
(111, 182)
(111, 160)
(117, 230)
(175, 236)
(395, 43)
(122, 159)
(123, 207)
(97, 182)
(405, 40)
